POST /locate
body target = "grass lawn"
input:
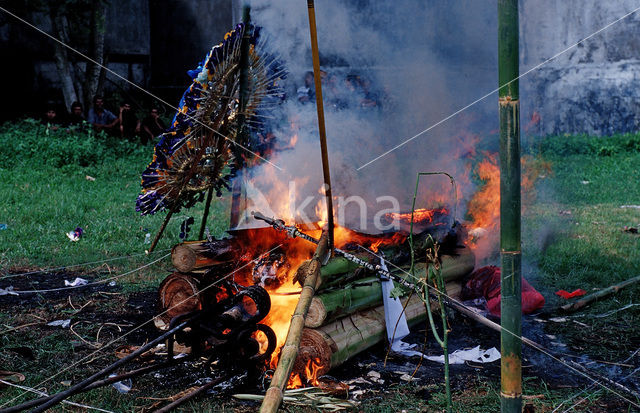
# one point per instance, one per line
(572, 238)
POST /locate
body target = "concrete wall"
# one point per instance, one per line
(592, 88)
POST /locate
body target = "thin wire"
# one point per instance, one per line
(94, 282)
(41, 393)
(584, 390)
(134, 85)
(143, 324)
(521, 338)
(498, 88)
(79, 265)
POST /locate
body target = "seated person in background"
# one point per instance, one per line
(101, 118)
(152, 126)
(51, 119)
(77, 116)
(129, 123)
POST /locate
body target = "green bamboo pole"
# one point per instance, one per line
(511, 302)
(289, 352)
(363, 294)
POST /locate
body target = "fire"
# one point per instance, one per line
(310, 377)
(484, 207)
(419, 215)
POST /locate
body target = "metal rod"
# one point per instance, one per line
(94, 385)
(236, 193)
(321, 127)
(57, 398)
(511, 279)
(205, 215)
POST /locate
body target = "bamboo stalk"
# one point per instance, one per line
(331, 345)
(321, 128)
(586, 300)
(289, 352)
(363, 294)
(511, 302)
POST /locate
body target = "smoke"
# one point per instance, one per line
(412, 64)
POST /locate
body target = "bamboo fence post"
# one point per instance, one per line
(289, 352)
(511, 302)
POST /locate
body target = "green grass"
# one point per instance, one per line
(572, 238)
(43, 201)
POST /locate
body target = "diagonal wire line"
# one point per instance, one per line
(498, 88)
(525, 340)
(71, 287)
(140, 326)
(41, 393)
(64, 267)
(135, 85)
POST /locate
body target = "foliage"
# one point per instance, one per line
(589, 145)
(29, 143)
(45, 194)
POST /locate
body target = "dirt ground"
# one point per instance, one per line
(101, 313)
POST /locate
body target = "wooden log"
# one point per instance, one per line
(179, 294)
(367, 293)
(192, 255)
(331, 345)
(289, 352)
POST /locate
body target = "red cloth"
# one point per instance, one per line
(566, 295)
(485, 282)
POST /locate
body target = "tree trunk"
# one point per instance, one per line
(61, 57)
(96, 51)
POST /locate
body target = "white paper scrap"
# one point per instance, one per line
(76, 283)
(475, 354)
(61, 323)
(8, 291)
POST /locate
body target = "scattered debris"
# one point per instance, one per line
(147, 238)
(630, 206)
(8, 291)
(305, 397)
(475, 354)
(123, 387)
(566, 212)
(575, 293)
(585, 182)
(374, 376)
(76, 283)
(3, 227)
(11, 376)
(60, 323)
(558, 319)
(576, 305)
(631, 230)
(75, 234)
(485, 282)
(89, 178)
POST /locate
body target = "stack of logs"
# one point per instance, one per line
(346, 319)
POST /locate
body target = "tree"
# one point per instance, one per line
(81, 25)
